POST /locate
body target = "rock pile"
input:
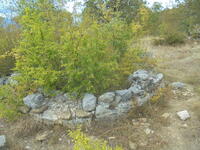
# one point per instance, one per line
(63, 110)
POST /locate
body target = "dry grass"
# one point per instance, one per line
(121, 131)
(14, 145)
(27, 127)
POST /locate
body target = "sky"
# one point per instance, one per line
(6, 3)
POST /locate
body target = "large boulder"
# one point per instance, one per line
(108, 97)
(2, 141)
(34, 101)
(89, 102)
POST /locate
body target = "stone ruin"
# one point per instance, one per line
(62, 109)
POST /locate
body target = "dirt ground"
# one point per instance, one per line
(143, 128)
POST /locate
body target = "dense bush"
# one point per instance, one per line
(195, 32)
(10, 100)
(171, 38)
(82, 142)
(85, 58)
(9, 36)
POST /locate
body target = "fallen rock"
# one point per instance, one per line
(89, 102)
(178, 85)
(34, 100)
(39, 110)
(183, 115)
(107, 97)
(2, 141)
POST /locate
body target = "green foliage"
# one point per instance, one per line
(83, 57)
(10, 100)
(82, 142)
(38, 57)
(124, 9)
(9, 37)
(90, 61)
(171, 38)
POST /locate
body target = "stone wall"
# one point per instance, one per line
(62, 109)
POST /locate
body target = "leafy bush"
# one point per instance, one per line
(10, 100)
(9, 37)
(84, 59)
(171, 38)
(82, 142)
(195, 32)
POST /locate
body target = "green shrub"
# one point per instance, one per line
(9, 37)
(171, 38)
(85, 58)
(82, 142)
(10, 100)
(195, 32)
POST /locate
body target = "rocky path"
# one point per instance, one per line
(181, 64)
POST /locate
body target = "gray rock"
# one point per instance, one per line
(49, 115)
(136, 90)
(116, 101)
(124, 107)
(142, 100)
(107, 97)
(34, 100)
(159, 77)
(178, 85)
(2, 141)
(102, 111)
(183, 115)
(126, 95)
(89, 102)
(140, 75)
(65, 115)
